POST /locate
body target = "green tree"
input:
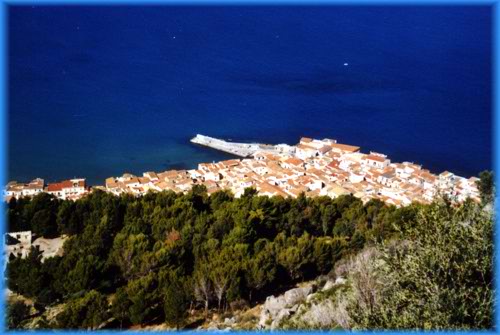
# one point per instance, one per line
(203, 288)
(25, 276)
(120, 306)
(225, 265)
(290, 259)
(323, 254)
(17, 312)
(88, 312)
(144, 297)
(486, 187)
(132, 254)
(43, 223)
(84, 275)
(261, 269)
(176, 301)
(439, 277)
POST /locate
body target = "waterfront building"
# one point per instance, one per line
(313, 167)
(68, 189)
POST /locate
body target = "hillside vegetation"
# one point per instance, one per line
(167, 258)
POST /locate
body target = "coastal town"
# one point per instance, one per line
(313, 167)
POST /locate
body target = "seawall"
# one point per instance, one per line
(242, 149)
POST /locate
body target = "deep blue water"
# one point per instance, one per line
(99, 91)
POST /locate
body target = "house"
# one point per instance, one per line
(342, 148)
(132, 182)
(305, 140)
(334, 191)
(13, 190)
(386, 178)
(295, 191)
(184, 184)
(265, 188)
(247, 182)
(356, 177)
(144, 180)
(195, 174)
(125, 177)
(228, 164)
(205, 167)
(293, 163)
(212, 175)
(17, 244)
(445, 179)
(324, 149)
(329, 140)
(151, 175)
(375, 161)
(304, 151)
(68, 189)
(17, 190)
(34, 187)
(110, 182)
(260, 156)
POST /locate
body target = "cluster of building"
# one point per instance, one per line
(314, 167)
(71, 189)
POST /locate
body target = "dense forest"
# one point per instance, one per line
(159, 257)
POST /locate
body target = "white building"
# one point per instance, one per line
(68, 189)
(375, 161)
(17, 244)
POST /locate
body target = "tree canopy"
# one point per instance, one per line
(157, 255)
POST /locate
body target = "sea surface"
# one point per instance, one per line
(98, 91)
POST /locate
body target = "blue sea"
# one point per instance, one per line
(98, 91)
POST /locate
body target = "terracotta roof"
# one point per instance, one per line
(144, 180)
(325, 149)
(274, 190)
(170, 174)
(112, 185)
(132, 181)
(55, 187)
(345, 147)
(151, 175)
(294, 161)
(375, 158)
(230, 162)
(305, 147)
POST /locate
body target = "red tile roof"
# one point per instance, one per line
(345, 147)
(56, 187)
(294, 161)
(375, 158)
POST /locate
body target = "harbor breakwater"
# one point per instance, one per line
(242, 149)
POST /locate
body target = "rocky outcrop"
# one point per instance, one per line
(275, 309)
(314, 305)
(331, 284)
(306, 306)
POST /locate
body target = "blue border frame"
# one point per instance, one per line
(4, 89)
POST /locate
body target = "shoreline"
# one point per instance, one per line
(193, 164)
(315, 167)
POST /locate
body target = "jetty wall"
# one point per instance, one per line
(242, 149)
